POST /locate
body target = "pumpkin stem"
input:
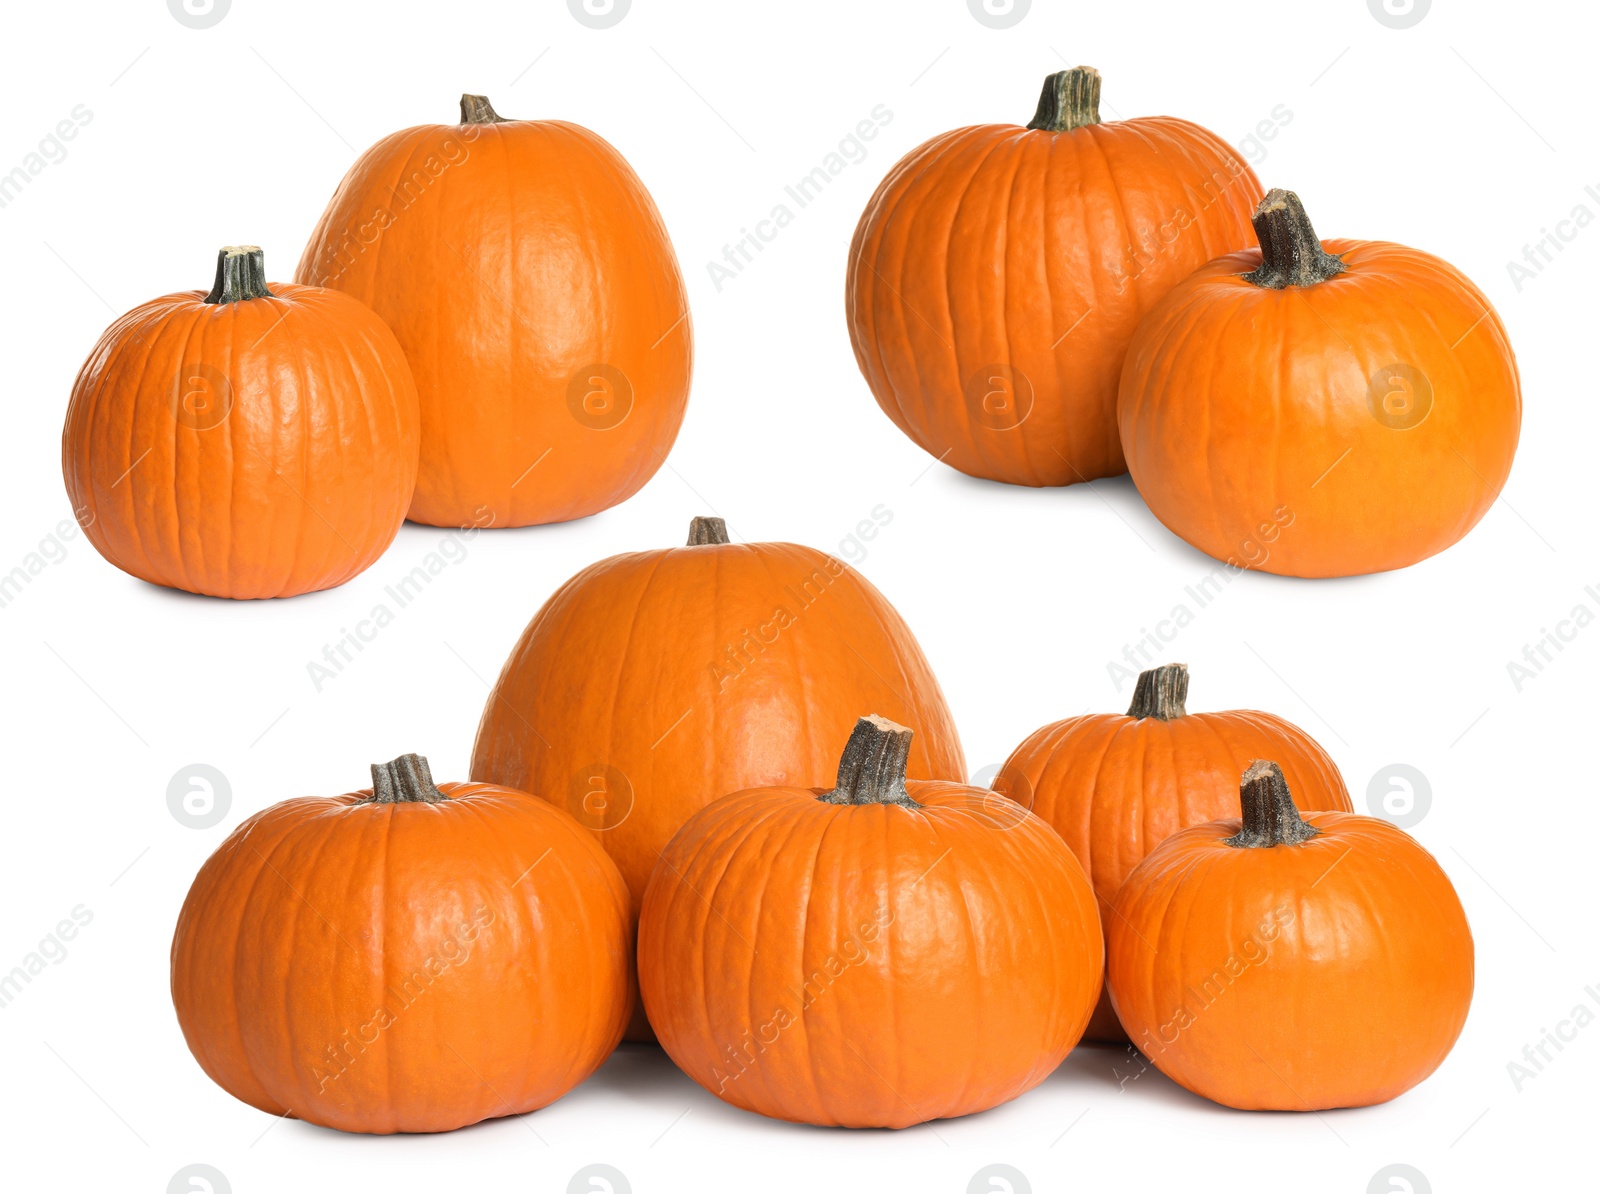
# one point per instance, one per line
(1270, 815)
(1161, 692)
(1291, 254)
(707, 530)
(1070, 100)
(405, 780)
(476, 109)
(872, 769)
(241, 275)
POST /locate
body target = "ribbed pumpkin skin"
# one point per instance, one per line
(316, 916)
(510, 259)
(952, 957)
(299, 485)
(1357, 996)
(1001, 245)
(1115, 787)
(1238, 402)
(633, 665)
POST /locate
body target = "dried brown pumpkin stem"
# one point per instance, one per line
(405, 780)
(476, 109)
(872, 769)
(704, 530)
(1270, 815)
(1070, 100)
(1291, 254)
(1161, 692)
(241, 275)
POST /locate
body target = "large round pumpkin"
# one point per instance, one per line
(877, 954)
(652, 683)
(1320, 408)
(998, 273)
(409, 958)
(528, 276)
(1291, 964)
(1116, 786)
(255, 441)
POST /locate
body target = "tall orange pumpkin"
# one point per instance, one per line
(528, 276)
(998, 273)
(255, 441)
(652, 683)
(1115, 787)
(409, 958)
(877, 954)
(1291, 964)
(1320, 408)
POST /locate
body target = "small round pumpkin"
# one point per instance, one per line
(1320, 408)
(1284, 963)
(255, 441)
(1114, 787)
(531, 282)
(409, 958)
(880, 954)
(998, 274)
(651, 684)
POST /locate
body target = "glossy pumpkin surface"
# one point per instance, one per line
(1116, 786)
(529, 278)
(259, 446)
(410, 966)
(1351, 424)
(998, 273)
(652, 683)
(1335, 971)
(868, 964)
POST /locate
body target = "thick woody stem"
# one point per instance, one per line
(1070, 100)
(707, 530)
(1270, 815)
(476, 109)
(241, 275)
(1161, 692)
(872, 769)
(1291, 254)
(405, 780)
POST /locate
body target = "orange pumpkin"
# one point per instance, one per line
(1115, 787)
(528, 276)
(408, 958)
(650, 684)
(1288, 964)
(997, 275)
(1320, 408)
(249, 442)
(877, 955)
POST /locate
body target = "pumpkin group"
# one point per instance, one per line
(651, 684)
(1115, 786)
(1320, 408)
(526, 272)
(997, 276)
(1288, 964)
(254, 441)
(878, 954)
(409, 958)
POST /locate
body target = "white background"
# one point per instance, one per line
(1467, 135)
